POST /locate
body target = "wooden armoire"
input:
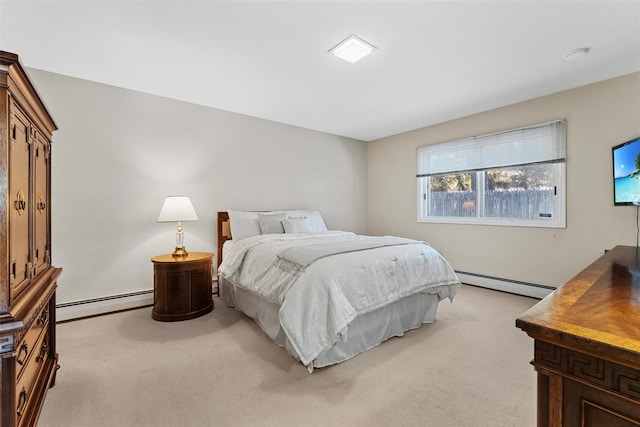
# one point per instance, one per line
(27, 279)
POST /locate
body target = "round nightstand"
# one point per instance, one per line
(182, 286)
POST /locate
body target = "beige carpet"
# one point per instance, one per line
(469, 368)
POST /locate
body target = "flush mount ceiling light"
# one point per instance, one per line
(352, 49)
(577, 53)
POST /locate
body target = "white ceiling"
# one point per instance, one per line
(436, 60)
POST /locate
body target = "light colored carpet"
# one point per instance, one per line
(469, 368)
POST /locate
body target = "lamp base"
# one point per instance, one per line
(180, 252)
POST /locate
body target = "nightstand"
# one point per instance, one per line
(182, 286)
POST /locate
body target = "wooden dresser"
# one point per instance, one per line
(27, 279)
(587, 345)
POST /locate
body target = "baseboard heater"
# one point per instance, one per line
(505, 285)
(103, 305)
(113, 303)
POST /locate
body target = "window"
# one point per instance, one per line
(513, 178)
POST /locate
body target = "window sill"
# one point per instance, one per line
(550, 223)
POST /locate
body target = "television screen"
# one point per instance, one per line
(626, 173)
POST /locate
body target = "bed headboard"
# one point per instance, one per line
(224, 232)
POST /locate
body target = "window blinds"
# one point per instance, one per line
(541, 143)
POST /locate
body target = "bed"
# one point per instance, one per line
(326, 295)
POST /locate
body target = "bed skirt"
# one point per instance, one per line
(364, 332)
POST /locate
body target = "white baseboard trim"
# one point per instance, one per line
(506, 285)
(97, 306)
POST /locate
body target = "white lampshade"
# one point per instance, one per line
(177, 208)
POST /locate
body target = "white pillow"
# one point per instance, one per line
(271, 223)
(305, 214)
(302, 214)
(243, 224)
(304, 225)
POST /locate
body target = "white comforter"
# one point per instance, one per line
(319, 303)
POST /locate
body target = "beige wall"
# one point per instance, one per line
(598, 116)
(118, 153)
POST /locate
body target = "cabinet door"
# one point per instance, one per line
(19, 201)
(588, 406)
(201, 287)
(41, 201)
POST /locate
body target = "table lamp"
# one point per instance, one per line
(178, 209)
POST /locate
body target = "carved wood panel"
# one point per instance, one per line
(41, 201)
(590, 369)
(19, 200)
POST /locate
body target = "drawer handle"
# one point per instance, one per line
(21, 203)
(43, 317)
(24, 348)
(41, 205)
(22, 402)
(43, 352)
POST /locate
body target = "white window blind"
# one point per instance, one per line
(541, 143)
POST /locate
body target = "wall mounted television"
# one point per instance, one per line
(626, 173)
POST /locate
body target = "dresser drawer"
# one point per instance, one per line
(31, 370)
(28, 346)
